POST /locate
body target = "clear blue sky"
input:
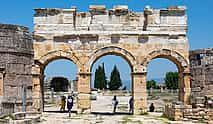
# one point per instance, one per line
(200, 19)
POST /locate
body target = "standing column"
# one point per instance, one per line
(186, 88)
(36, 90)
(84, 104)
(139, 92)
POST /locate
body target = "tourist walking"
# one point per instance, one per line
(69, 104)
(63, 103)
(115, 103)
(131, 105)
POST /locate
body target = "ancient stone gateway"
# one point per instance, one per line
(83, 37)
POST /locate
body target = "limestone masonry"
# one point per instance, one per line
(201, 62)
(201, 99)
(84, 37)
(16, 59)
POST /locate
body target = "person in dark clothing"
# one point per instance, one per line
(152, 107)
(115, 103)
(206, 102)
(131, 105)
(69, 104)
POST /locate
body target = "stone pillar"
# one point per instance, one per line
(36, 90)
(84, 105)
(184, 87)
(139, 92)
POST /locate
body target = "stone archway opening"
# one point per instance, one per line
(101, 99)
(59, 79)
(183, 71)
(124, 56)
(161, 91)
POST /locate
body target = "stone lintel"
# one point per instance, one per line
(150, 33)
(85, 73)
(88, 35)
(47, 11)
(121, 7)
(176, 8)
(138, 73)
(97, 8)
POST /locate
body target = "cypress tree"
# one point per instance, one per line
(97, 78)
(104, 77)
(100, 81)
(115, 80)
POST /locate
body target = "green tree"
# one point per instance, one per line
(151, 84)
(100, 81)
(171, 80)
(115, 80)
(104, 78)
(97, 78)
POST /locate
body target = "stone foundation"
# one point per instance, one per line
(179, 111)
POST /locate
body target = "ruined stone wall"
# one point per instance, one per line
(177, 112)
(201, 100)
(201, 62)
(16, 59)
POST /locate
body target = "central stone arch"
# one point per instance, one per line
(84, 88)
(111, 50)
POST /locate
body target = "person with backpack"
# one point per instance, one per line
(69, 104)
(115, 103)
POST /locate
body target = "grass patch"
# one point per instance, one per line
(127, 118)
(202, 121)
(144, 113)
(8, 116)
(164, 117)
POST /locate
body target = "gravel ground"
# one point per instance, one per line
(102, 113)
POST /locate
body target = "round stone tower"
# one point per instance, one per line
(16, 59)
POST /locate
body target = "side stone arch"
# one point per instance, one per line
(38, 73)
(59, 54)
(182, 63)
(177, 58)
